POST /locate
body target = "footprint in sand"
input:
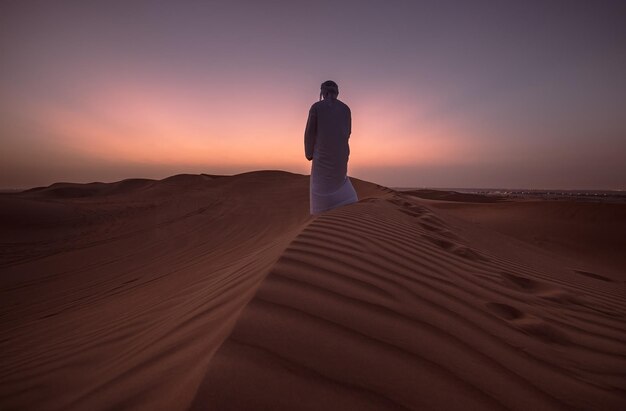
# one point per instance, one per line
(432, 219)
(409, 208)
(594, 275)
(440, 242)
(410, 212)
(543, 331)
(456, 248)
(439, 231)
(540, 289)
(529, 324)
(525, 284)
(469, 253)
(435, 225)
(429, 227)
(505, 311)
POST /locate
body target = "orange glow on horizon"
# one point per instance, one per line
(166, 127)
(117, 130)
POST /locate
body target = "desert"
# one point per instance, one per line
(223, 292)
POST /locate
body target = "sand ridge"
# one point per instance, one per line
(118, 300)
(383, 305)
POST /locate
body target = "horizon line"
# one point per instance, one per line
(394, 187)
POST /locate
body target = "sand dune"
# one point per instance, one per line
(385, 305)
(118, 300)
(222, 293)
(586, 234)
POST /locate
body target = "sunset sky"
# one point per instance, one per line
(519, 94)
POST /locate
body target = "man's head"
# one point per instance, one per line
(329, 89)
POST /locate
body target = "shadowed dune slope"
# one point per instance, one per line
(115, 296)
(386, 304)
(589, 235)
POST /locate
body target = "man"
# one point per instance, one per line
(326, 145)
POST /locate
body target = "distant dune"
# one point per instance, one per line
(453, 196)
(223, 293)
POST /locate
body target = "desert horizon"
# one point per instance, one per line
(469, 189)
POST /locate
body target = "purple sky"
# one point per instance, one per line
(523, 94)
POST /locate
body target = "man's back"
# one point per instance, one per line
(332, 134)
(333, 118)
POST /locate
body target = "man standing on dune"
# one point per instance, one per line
(326, 145)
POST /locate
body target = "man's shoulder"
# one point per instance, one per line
(344, 105)
(314, 106)
(322, 102)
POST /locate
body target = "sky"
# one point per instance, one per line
(517, 94)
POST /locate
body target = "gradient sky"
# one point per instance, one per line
(520, 94)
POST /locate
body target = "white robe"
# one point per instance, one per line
(326, 143)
